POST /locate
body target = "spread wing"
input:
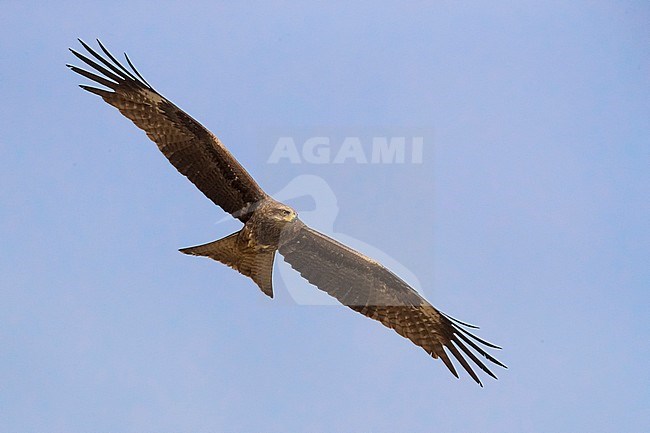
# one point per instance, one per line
(372, 290)
(188, 145)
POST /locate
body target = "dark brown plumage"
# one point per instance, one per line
(269, 226)
(188, 145)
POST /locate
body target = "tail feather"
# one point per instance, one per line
(256, 264)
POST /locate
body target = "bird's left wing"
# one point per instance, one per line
(372, 290)
(188, 145)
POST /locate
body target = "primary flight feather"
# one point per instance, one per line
(269, 226)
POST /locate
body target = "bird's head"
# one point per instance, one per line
(272, 213)
(284, 213)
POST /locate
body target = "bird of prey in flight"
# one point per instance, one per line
(269, 226)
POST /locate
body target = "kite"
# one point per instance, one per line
(269, 226)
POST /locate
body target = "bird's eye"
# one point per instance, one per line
(286, 212)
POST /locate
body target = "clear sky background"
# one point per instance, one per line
(528, 216)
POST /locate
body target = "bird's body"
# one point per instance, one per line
(355, 280)
(251, 250)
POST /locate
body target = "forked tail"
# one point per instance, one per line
(256, 264)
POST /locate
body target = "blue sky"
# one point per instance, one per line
(528, 216)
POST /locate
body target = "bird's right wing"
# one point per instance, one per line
(372, 290)
(188, 145)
